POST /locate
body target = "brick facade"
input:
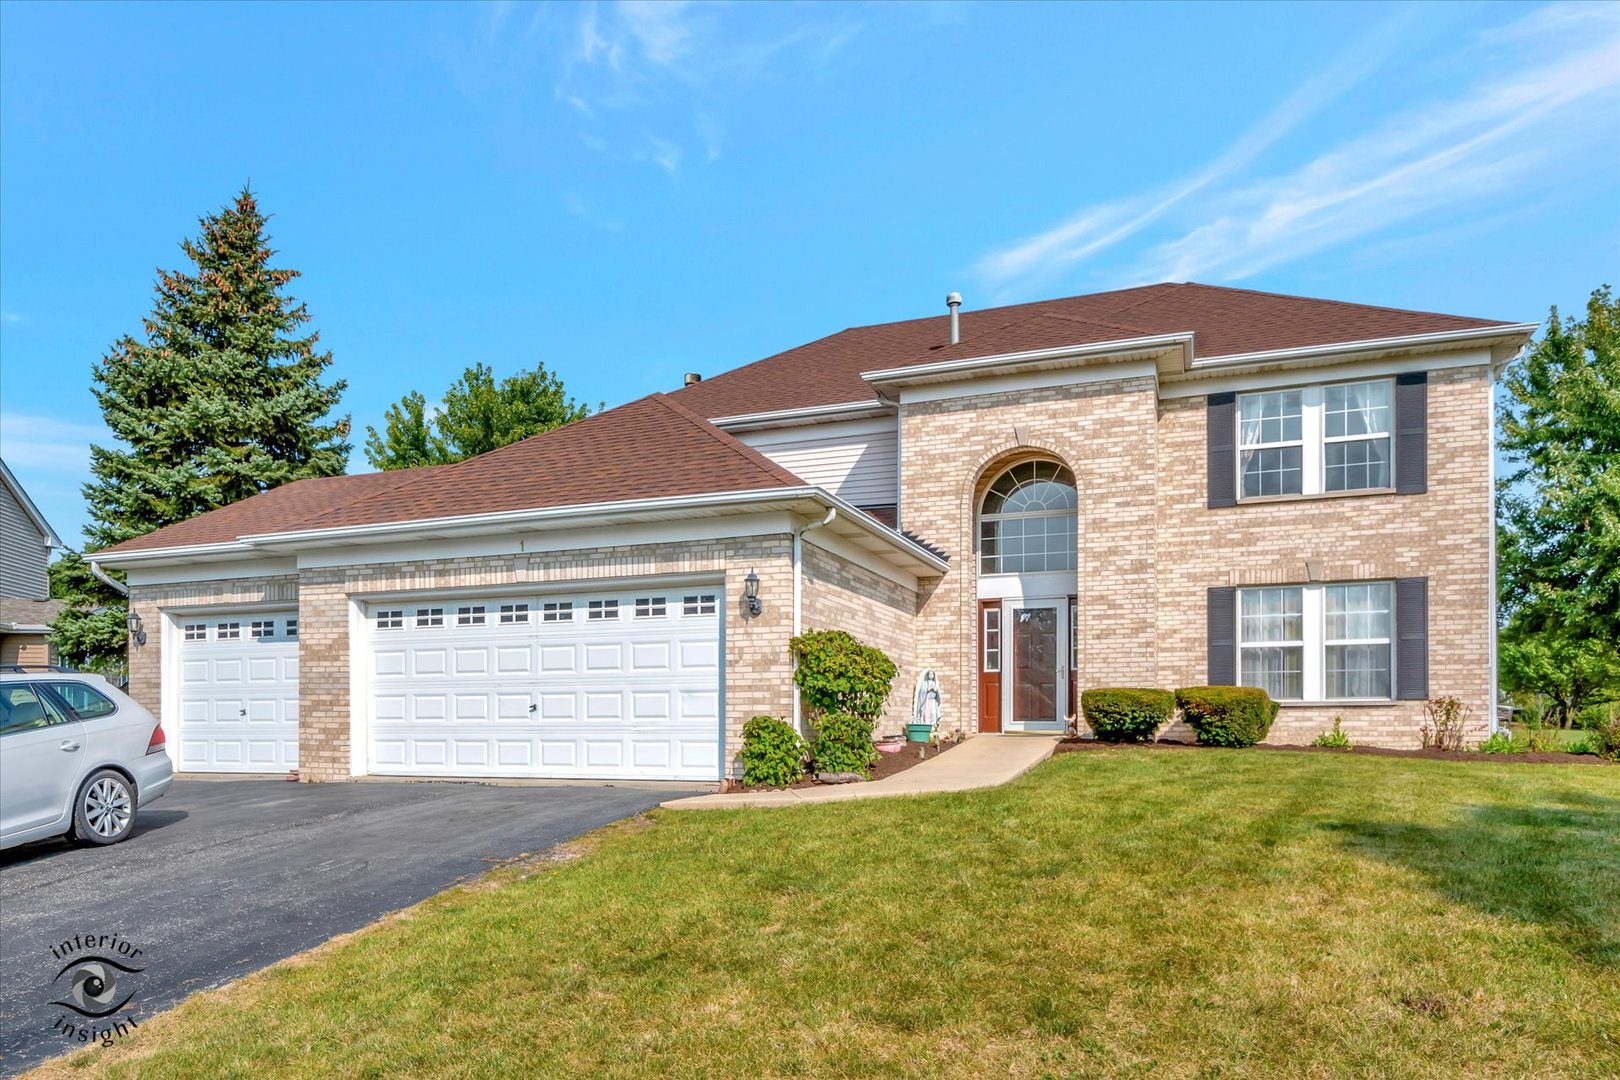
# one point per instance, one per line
(1149, 547)
(839, 595)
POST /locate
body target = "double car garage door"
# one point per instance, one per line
(602, 685)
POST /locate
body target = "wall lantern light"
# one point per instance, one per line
(751, 593)
(136, 630)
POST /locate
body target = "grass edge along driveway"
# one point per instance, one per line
(1114, 913)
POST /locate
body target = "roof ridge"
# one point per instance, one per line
(730, 442)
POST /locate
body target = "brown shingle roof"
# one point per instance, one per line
(20, 612)
(1224, 322)
(651, 448)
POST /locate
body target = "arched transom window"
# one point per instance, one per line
(1028, 520)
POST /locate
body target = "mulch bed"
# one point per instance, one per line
(1537, 758)
(888, 765)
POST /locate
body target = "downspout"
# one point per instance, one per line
(101, 575)
(798, 600)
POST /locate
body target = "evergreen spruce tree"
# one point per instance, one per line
(220, 399)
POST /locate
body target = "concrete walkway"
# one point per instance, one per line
(982, 761)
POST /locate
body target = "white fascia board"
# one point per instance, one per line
(869, 560)
(1512, 331)
(187, 552)
(24, 628)
(485, 545)
(815, 414)
(1028, 380)
(1215, 382)
(551, 517)
(850, 513)
(171, 573)
(970, 366)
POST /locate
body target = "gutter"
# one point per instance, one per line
(798, 601)
(101, 575)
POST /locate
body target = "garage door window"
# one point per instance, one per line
(470, 616)
(698, 605)
(429, 617)
(292, 628)
(228, 631)
(601, 610)
(558, 612)
(650, 607)
(391, 620)
(514, 614)
(196, 631)
(262, 629)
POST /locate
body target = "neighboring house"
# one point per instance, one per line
(1163, 486)
(26, 610)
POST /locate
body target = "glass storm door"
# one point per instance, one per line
(1039, 680)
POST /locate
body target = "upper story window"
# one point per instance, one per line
(1028, 522)
(1315, 439)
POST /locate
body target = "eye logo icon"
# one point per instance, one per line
(95, 986)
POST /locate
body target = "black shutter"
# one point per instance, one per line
(1412, 638)
(1412, 433)
(1222, 633)
(1222, 424)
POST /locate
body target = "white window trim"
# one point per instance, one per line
(1313, 440)
(1313, 612)
(986, 650)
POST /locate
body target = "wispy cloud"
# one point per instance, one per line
(651, 81)
(46, 445)
(1468, 151)
(11, 317)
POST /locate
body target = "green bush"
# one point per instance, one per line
(1604, 740)
(1500, 742)
(1335, 739)
(838, 674)
(772, 753)
(1227, 715)
(844, 744)
(1126, 715)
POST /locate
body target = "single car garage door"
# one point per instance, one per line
(602, 685)
(238, 692)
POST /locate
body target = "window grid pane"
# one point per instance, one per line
(1278, 670)
(1356, 409)
(1356, 465)
(1270, 419)
(992, 639)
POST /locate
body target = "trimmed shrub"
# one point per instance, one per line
(1227, 715)
(1126, 715)
(772, 752)
(838, 674)
(844, 744)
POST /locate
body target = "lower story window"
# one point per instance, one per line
(1318, 642)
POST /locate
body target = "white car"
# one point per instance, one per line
(76, 756)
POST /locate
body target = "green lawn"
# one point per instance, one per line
(1113, 913)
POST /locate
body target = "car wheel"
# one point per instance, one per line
(105, 810)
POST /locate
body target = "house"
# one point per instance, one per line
(1162, 486)
(26, 609)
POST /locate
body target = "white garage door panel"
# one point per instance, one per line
(456, 692)
(238, 692)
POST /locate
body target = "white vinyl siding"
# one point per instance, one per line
(857, 460)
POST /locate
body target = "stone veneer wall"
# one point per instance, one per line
(1444, 534)
(839, 595)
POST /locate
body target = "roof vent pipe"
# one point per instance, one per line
(692, 378)
(954, 301)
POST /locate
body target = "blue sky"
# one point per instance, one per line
(632, 191)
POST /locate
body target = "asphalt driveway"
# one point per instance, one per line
(222, 877)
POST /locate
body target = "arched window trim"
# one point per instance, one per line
(1026, 547)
